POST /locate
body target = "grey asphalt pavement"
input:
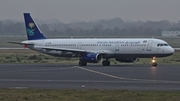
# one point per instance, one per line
(121, 77)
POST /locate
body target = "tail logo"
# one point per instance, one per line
(30, 30)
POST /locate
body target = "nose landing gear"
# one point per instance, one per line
(154, 61)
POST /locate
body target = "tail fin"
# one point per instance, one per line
(32, 30)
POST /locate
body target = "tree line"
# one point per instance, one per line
(111, 27)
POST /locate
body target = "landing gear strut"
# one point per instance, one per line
(82, 63)
(106, 62)
(154, 61)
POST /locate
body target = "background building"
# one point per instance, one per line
(171, 33)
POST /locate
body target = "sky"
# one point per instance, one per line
(86, 10)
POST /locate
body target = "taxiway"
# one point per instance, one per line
(122, 77)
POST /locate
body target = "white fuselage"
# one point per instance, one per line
(112, 48)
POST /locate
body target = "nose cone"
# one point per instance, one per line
(170, 50)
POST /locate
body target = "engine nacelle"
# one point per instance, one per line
(127, 60)
(91, 57)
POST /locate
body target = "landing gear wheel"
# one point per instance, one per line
(106, 63)
(154, 64)
(82, 63)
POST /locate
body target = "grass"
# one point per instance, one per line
(26, 56)
(85, 95)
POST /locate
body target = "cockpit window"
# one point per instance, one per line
(165, 44)
(162, 44)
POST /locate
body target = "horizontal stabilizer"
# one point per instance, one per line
(15, 43)
(20, 43)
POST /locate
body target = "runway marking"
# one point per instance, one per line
(84, 81)
(35, 70)
(16, 80)
(122, 78)
(89, 70)
(47, 69)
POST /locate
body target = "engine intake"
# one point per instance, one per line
(127, 60)
(91, 57)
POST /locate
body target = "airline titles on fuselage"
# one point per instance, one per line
(118, 42)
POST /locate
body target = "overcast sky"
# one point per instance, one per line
(86, 10)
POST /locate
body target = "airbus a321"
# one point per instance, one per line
(95, 50)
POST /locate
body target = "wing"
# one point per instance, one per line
(74, 50)
(21, 43)
(103, 52)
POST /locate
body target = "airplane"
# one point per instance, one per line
(95, 50)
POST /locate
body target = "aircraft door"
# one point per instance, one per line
(79, 45)
(116, 47)
(41, 43)
(149, 44)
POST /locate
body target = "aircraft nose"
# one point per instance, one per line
(171, 50)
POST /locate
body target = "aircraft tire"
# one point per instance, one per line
(82, 63)
(154, 64)
(106, 63)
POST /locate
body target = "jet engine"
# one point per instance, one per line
(127, 60)
(91, 57)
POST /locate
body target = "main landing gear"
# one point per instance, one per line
(106, 62)
(154, 62)
(82, 63)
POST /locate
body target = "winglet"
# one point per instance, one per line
(32, 30)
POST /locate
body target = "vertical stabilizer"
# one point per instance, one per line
(32, 30)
